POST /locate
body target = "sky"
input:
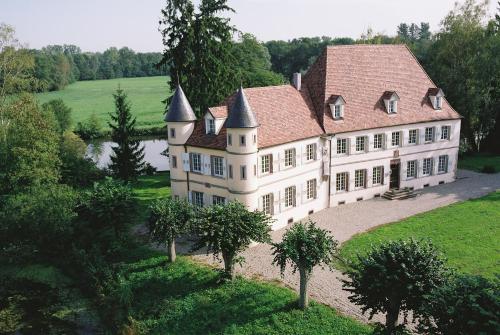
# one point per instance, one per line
(95, 25)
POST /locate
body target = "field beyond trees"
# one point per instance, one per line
(467, 233)
(96, 96)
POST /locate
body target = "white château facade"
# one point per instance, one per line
(364, 119)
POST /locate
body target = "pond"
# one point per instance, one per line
(100, 151)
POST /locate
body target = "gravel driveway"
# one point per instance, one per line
(347, 220)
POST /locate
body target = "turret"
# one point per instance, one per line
(242, 147)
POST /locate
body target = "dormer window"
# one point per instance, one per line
(211, 126)
(436, 97)
(391, 102)
(337, 106)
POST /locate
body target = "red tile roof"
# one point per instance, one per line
(361, 74)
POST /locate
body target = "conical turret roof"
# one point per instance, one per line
(240, 114)
(180, 110)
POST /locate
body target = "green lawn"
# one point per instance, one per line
(478, 161)
(96, 96)
(467, 233)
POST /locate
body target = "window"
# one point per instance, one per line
(195, 162)
(359, 178)
(377, 175)
(211, 126)
(396, 139)
(342, 146)
(412, 136)
(427, 167)
(337, 112)
(255, 169)
(341, 181)
(429, 134)
(310, 151)
(216, 200)
(392, 106)
(267, 204)
(311, 189)
(443, 164)
(290, 193)
(197, 198)
(438, 102)
(254, 139)
(360, 144)
(174, 162)
(217, 166)
(243, 172)
(289, 157)
(411, 169)
(172, 132)
(230, 167)
(229, 139)
(242, 140)
(378, 141)
(265, 163)
(445, 132)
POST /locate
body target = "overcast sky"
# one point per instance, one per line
(95, 25)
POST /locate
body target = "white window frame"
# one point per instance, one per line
(360, 144)
(265, 163)
(217, 166)
(197, 198)
(342, 144)
(427, 167)
(411, 169)
(174, 162)
(267, 204)
(429, 131)
(218, 200)
(378, 141)
(445, 133)
(195, 159)
(290, 196)
(439, 102)
(412, 139)
(443, 164)
(341, 182)
(290, 157)
(229, 139)
(393, 138)
(311, 189)
(310, 152)
(393, 106)
(377, 176)
(210, 126)
(337, 111)
(360, 178)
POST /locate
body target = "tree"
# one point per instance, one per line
(168, 220)
(109, 205)
(395, 276)
(89, 129)
(61, 112)
(127, 160)
(228, 230)
(198, 50)
(304, 246)
(466, 304)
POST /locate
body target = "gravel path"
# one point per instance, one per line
(347, 220)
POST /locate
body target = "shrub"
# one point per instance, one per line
(89, 129)
(488, 169)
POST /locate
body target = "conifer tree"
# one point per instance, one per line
(127, 160)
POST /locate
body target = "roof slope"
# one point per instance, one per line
(180, 110)
(241, 114)
(361, 74)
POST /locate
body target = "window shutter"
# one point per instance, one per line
(224, 173)
(297, 157)
(303, 191)
(303, 155)
(190, 197)
(317, 148)
(404, 170)
(185, 161)
(297, 196)
(334, 146)
(450, 164)
(261, 205)
(421, 136)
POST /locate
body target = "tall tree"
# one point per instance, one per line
(198, 50)
(61, 112)
(304, 246)
(229, 229)
(127, 160)
(395, 277)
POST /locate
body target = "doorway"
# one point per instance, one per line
(395, 169)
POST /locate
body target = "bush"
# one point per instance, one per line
(149, 169)
(89, 129)
(488, 169)
(464, 305)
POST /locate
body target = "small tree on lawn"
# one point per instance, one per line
(304, 246)
(229, 229)
(395, 277)
(127, 160)
(168, 220)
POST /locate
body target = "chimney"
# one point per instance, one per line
(297, 80)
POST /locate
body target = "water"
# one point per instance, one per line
(100, 152)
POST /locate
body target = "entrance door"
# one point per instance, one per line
(395, 167)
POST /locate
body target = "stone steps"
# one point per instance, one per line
(399, 194)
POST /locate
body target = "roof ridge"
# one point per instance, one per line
(338, 46)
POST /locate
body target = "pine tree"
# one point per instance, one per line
(127, 160)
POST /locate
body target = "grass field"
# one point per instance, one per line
(86, 97)
(478, 161)
(467, 233)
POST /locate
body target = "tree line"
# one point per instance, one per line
(59, 65)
